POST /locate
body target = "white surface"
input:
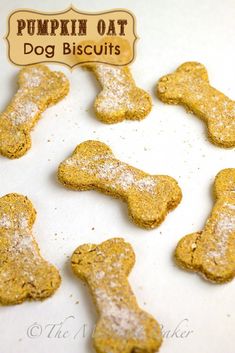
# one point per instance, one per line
(168, 141)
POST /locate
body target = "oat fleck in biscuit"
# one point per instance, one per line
(24, 274)
(120, 98)
(39, 87)
(93, 166)
(189, 85)
(122, 326)
(212, 251)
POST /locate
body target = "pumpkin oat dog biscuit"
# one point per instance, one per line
(93, 166)
(122, 327)
(212, 251)
(39, 87)
(24, 274)
(189, 85)
(120, 98)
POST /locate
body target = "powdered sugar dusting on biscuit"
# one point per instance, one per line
(119, 174)
(33, 79)
(120, 319)
(230, 206)
(116, 89)
(21, 242)
(25, 110)
(146, 184)
(19, 235)
(224, 227)
(23, 221)
(5, 221)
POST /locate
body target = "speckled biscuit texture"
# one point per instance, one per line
(122, 326)
(189, 86)
(93, 166)
(120, 98)
(24, 274)
(38, 88)
(211, 252)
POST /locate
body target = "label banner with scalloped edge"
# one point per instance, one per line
(71, 37)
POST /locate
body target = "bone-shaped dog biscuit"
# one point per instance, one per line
(122, 326)
(93, 166)
(189, 85)
(24, 274)
(120, 98)
(212, 251)
(38, 88)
